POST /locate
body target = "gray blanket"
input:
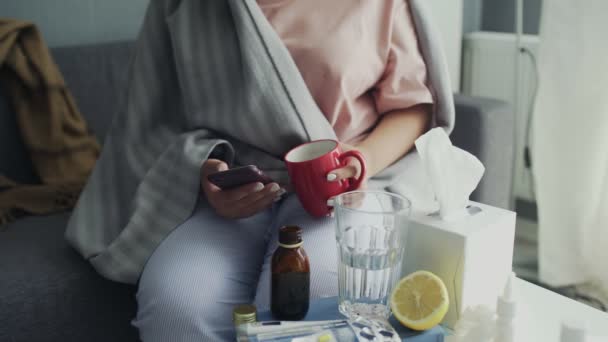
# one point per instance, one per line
(209, 78)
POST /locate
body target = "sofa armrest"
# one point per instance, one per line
(486, 128)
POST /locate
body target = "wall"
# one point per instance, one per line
(488, 60)
(69, 22)
(489, 71)
(499, 15)
(471, 15)
(447, 15)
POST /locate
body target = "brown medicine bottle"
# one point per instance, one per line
(290, 291)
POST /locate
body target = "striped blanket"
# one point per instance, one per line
(209, 78)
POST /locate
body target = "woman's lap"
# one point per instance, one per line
(197, 274)
(208, 265)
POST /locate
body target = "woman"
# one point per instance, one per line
(360, 62)
(362, 65)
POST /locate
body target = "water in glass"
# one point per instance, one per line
(370, 233)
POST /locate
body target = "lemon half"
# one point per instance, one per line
(420, 300)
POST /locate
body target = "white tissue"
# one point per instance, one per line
(453, 173)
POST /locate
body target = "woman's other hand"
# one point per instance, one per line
(352, 169)
(241, 202)
(390, 140)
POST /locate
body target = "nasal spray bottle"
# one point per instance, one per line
(506, 312)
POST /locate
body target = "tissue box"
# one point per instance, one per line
(473, 256)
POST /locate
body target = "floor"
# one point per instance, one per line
(525, 265)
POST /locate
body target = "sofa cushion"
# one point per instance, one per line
(49, 293)
(97, 77)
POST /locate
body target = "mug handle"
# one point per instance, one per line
(359, 156)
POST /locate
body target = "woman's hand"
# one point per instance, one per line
(390, 140)
(352, 169)
(242, 202)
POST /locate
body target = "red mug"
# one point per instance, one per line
(308, 166)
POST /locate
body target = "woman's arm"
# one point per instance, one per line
(391, 139)
(394, 136)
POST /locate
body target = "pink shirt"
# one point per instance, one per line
(359, 58)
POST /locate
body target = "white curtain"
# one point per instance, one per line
(570, 142)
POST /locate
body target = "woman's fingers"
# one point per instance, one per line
(237, 194)
(253, 203)
(270, 192)
(248, 200)
(346, 172)
(258, 206)
(352, 169)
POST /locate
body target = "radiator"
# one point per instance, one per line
(489, 70)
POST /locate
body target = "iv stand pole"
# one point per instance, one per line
(517, 94)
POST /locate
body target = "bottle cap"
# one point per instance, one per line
(244, 314)
(290, 237)
(507, 303)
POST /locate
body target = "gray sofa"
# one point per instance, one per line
(48, 293)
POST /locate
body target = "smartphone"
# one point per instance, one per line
(238, 176)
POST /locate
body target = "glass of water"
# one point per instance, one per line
(370, 232)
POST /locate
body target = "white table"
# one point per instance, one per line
(544, 311)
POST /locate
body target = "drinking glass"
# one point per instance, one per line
(371, 230)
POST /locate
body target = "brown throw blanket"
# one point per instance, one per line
(55, 134)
